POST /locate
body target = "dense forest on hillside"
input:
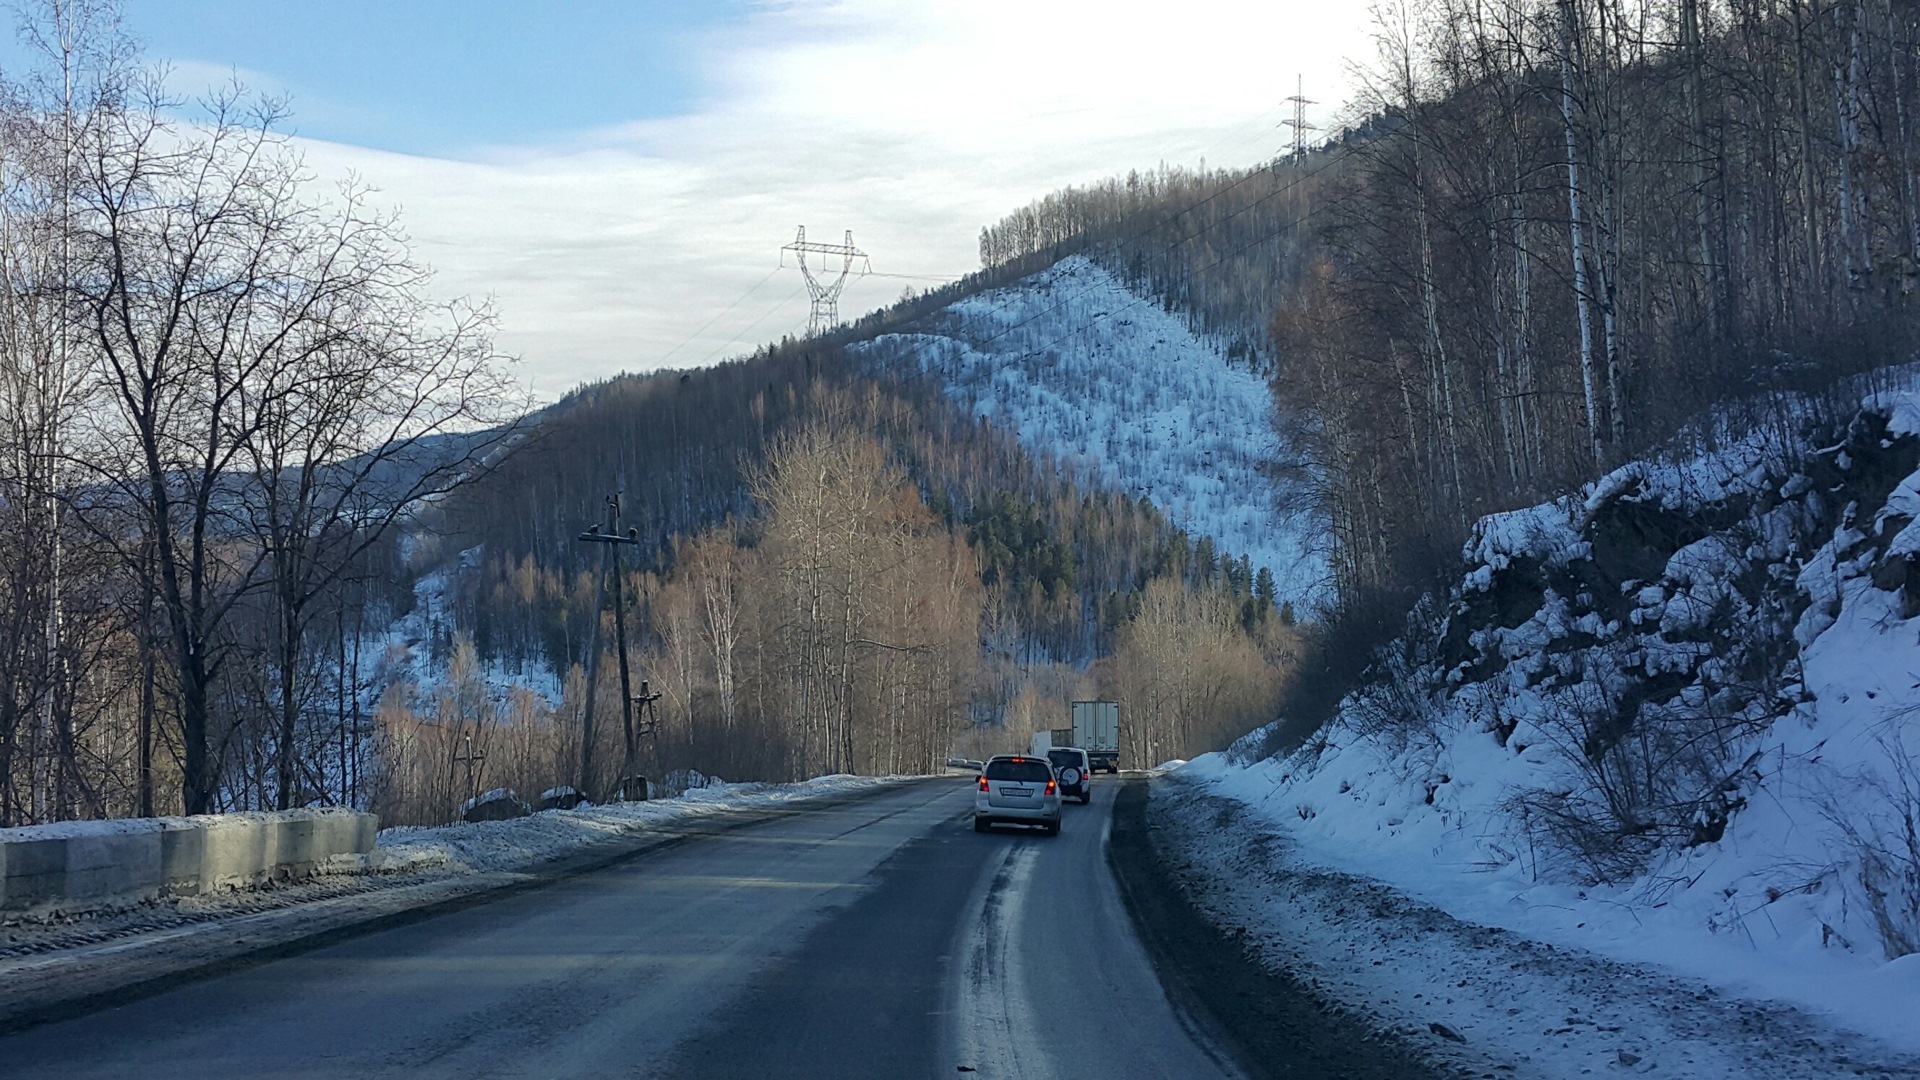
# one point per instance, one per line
(953, 575)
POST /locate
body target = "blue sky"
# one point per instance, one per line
(617, 178)
(447, 77)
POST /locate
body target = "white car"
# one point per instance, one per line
(1017, 790)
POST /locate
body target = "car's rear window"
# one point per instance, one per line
(1019, 769)
(1064, 758)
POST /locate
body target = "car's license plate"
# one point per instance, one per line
(1016, 791)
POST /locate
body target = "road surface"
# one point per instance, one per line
(877, 936)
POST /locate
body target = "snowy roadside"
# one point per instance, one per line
(52, 965)
(520, 842)
(1477, 996)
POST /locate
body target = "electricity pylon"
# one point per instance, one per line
(825, 314)
(1299, 122)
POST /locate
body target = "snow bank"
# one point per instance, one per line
(1120, 392)
(516, 843)
(1478, 1001)
(1759, 600)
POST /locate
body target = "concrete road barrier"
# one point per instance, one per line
(74, 865)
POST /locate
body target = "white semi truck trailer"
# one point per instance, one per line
(1096, 729)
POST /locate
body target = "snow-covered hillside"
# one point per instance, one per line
(417, 648)
(1111, 386)
(1672, 720)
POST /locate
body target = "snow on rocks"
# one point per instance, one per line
(1665, 722)
(1124, 394)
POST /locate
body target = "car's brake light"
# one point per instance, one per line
(983, 783)
(1051, 787)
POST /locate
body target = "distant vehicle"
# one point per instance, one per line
(1096, 729)
(1063, 736)
(1075, 771)
(1041, 742)
(1017, 790)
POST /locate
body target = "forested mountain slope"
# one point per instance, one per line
(1111, 387)
(842, 565)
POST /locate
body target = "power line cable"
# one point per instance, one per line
(662, 362)
(744, 331)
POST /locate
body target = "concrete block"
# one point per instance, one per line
(182, 855)
(236, 850)
(36, 869)
(115, 862)
(95, 863)
(300, 840)
(366, 833)
(79, 864)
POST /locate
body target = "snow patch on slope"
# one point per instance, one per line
(416, 649)
(1774, 899)
(1115, 389)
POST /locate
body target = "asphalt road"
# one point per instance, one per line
(880, 936)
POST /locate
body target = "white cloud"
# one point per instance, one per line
(911, 123)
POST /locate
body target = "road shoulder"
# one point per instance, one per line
(1273, 1024)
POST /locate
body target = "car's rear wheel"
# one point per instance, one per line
(1053, 828)
(981, 824)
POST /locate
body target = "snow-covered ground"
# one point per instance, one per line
(1114, 388)
(1467, 992)
(518, 842)
(1803, 874)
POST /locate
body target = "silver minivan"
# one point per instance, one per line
(1017, 790)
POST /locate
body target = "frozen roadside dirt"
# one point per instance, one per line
(52, 967)
(1474, 1000)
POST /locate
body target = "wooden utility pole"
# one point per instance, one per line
(613, 538)
(472, 758)
(593, 674)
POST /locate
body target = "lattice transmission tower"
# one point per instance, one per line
(1299, 122)
(825, 290)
